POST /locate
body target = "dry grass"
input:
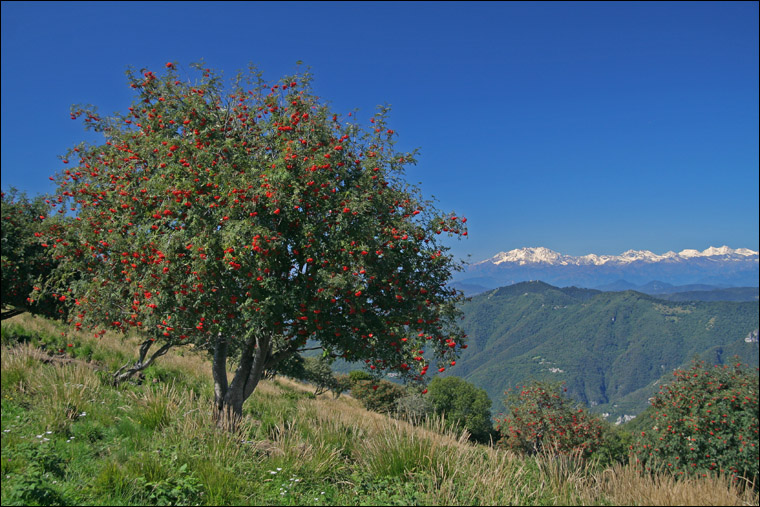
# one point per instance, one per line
(455, 471)
(624, 485)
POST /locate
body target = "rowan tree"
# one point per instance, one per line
(245, 218)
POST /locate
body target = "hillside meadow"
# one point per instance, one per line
(70, 438)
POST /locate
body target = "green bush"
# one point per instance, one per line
(705, 421)
(615, 446)
(463, 405)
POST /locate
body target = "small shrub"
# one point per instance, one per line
(379, 396)
(343, 384)
(357, 376)
(614, 448)
(463, 405)
(414, 408)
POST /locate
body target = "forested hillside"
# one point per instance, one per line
(610, 348)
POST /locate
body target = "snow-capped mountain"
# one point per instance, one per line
(722, 266)
(544, 255)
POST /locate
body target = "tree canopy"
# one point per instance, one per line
(246, 218)
(24, 260)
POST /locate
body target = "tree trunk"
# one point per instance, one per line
(219, 370)
(229, 398)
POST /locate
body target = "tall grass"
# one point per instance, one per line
(70, 435)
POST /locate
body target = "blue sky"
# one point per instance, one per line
(580, 127)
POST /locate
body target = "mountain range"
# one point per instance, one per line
(719, 267)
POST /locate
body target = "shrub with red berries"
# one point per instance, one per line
(704, 422)
(541, 418)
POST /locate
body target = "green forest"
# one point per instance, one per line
(611, 349)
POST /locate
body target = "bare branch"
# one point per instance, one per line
(141, 364)
(311, 348)
(11, 313)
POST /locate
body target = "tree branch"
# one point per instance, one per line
(141, 364)
(11, 313)
(312, 348)
(260, 356)
(275, 358)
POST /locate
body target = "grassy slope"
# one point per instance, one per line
(69, 437)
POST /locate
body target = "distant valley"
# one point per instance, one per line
(610, 348)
